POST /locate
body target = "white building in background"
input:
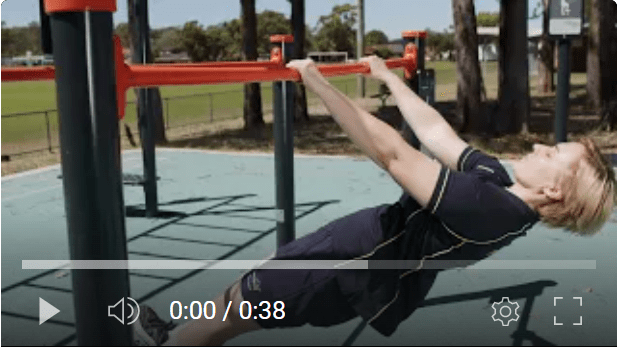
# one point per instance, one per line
(488, 52)
(487, 47)
(29, 60)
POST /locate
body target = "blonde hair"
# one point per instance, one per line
(590, 195)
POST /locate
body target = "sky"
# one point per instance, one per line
(390, 16)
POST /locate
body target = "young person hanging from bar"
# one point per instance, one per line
(459, 209)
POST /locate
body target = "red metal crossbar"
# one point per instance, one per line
(28, 74)
(152, 75)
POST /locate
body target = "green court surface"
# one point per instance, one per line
(221, 206)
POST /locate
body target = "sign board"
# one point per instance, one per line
(565, 17)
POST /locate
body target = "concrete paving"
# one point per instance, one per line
(227, 201)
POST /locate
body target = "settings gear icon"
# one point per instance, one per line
(506, 311)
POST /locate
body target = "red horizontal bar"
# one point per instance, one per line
(152, 75)
(52, 6)
(48, 72)
(209, 73)
(11, 74)
(411, 34)
(148, 76)
(158, 75)
(282, 38)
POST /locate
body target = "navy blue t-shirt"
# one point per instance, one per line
(470, 215)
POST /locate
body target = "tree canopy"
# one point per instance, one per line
(225, 39)
(19, 40)
(167, 39)
(335, 31)
(440, 42)
(488, 19)
(375, 37)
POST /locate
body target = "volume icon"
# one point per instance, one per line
(134, 309)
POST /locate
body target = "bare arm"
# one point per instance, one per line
(429, 126)
(415, 172)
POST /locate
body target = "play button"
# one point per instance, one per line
(46, 311)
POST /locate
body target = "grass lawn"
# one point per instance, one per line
(182, 105)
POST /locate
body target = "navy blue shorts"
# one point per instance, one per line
(314, 296)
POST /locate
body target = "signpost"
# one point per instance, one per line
(565, 24)
(565, 18)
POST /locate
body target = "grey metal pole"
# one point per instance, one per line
(167, 112)
(91, 172)
(210, 95)
(145, 109)
(49, 133)
(425, 89)
(46, 34)
(283, 120)
(483, 58)
(360, 46)
(420, 41)
(563, 91)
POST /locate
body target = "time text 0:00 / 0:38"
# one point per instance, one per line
(198, 310)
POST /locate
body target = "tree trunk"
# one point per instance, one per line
(602, 60)
(154, 94)
(252, 106)
(513, 68)
(545, 80)
(298, 52)
(468, 106)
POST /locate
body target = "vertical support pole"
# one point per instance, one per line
(49, 133)
(167, 112)
(141, 49)
(563, 91)
(425, 77)
(283, 120)
(421, 62)
(483, 59)
(360, 46)
(420, 41)
(91, 173)
(210, 95)
(418, 38)
(46, 34)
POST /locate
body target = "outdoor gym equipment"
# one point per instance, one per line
(91, 82)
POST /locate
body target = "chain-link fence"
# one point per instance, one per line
(37, 131)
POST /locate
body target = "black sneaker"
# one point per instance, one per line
(149, 329)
